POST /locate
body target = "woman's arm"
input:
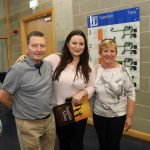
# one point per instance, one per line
(130, 93)
(53, 59)
(130, 112)
(88, 91)
(90, 85)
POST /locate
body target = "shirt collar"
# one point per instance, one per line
(30, 61)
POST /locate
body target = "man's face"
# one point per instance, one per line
(36, 48)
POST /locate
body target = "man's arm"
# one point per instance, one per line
(5, 98)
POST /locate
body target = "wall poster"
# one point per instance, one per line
(124, 27)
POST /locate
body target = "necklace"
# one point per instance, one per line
(73, 85)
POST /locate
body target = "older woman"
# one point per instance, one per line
(115, 98)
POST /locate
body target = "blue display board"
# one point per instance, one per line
(116, 17)
(124, 27)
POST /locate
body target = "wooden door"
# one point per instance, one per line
(41, 21)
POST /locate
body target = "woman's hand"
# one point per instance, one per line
(130, 111)
(128, 123)
(76, 99)
(21, 58)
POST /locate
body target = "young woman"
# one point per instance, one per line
(73, 76)
(115, 98)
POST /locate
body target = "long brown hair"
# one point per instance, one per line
(66, 58)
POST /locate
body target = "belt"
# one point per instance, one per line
(44, 117)
(36, 118)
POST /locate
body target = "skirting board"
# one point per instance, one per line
(131, 132)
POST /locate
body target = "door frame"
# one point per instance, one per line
(34, 16)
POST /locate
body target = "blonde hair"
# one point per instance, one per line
(105, 43)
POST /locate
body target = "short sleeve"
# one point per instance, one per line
(12, 81)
